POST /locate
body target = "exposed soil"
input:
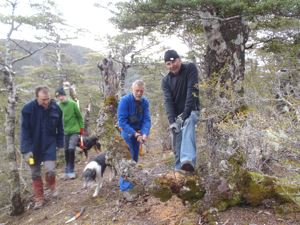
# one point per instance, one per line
(110, 207)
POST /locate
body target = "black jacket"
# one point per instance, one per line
(181, 92)
(41, 130)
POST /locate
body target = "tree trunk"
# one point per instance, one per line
(62, 77)
(86, 117)
(122, 78)
(224, 73)
(118, 154)
(17, 206)
(109, 77)
(106, 123)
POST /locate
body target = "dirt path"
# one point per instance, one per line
(111, 208)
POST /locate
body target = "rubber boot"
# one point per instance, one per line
(72, 174)
(37, 186)
(51, 185)
(67, 167)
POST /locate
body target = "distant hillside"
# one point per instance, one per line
(71, 54)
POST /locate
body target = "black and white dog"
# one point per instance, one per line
(94, 170)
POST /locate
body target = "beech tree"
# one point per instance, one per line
(225, 24)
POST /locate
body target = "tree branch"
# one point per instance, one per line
(30, 53)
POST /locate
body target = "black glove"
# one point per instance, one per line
(174, 127)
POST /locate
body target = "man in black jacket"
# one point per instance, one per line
(181, 97)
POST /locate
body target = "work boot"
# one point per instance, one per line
(51, 185)
(187, 166)
(37, 186)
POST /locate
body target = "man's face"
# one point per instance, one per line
(61, 98)
(43, 99)
(174, 66)
(137, 92)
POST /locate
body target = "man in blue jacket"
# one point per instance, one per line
(41, 135)
(134, 118)
(181, 98)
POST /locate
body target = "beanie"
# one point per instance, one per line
(60, 91)
(170, 55)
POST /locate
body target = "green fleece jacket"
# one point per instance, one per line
(72, 117)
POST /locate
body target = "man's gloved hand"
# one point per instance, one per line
(174, 127)
(26, 156)
(81, 131)
(177, 125)
(179, 120)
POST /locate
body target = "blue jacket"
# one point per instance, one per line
(41, 130)
(129, 118)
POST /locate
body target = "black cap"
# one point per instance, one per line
(60, 91)
(170, 55)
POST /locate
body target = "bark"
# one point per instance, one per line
(106, 123)
(109, 77)
(107, 129)
(288, 92)
(224, 73)
(122, 78)
(17, 206)
(86, 117)
(118, 154)
(62, 77)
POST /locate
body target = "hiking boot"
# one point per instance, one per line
(187, 166)
(50, 185)
(72, 175)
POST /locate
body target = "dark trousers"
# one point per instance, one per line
(70, 145)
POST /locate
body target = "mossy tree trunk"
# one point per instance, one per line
(224, 73)
(107, 129)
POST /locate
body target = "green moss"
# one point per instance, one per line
(259, 187)
(111, 101)
(287, 192)
(108, 127)
(193, 192)
(164, 193)
(225, 204)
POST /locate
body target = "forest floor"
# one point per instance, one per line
(110, 207)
